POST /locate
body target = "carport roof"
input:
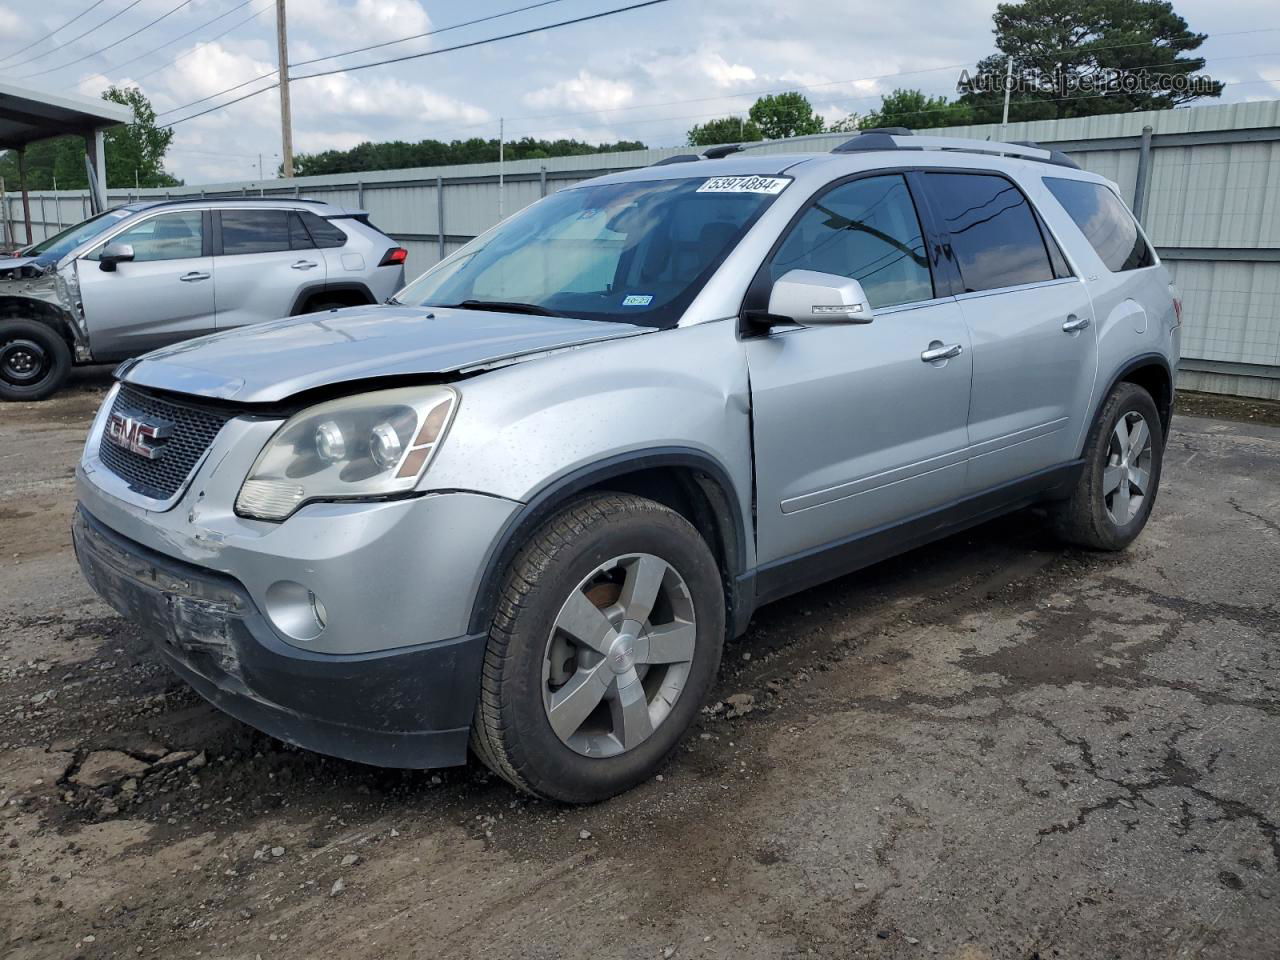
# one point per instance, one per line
(28, 115)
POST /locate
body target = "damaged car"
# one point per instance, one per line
(518, 510)
(151, 274)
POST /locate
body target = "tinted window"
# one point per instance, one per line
(254, 231)
(169, 236)
(1105, 223)
(299, 239)
(992, 228)
(324, 233)
(865, 229)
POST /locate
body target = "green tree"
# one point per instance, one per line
(846, 124)
(785, 115)
(135, 148)
(915, 110)
(1064, 53)
(399, 155)
(724, 130)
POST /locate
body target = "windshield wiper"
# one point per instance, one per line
(506, 306)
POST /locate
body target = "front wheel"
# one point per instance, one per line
(1117, 487)
(34, 360)
(606, 641)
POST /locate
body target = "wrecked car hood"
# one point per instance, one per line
(267, 362)
(20, 268)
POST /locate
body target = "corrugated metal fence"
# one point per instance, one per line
(1205, 182)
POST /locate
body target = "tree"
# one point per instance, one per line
(846, 124)
(724, 130)
(915, 110)
(135, 149)
(397, 154)
(785, 115)
(1065, 57)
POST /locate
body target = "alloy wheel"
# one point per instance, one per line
(619, 655)
(1126, 478)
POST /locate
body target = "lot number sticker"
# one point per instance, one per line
(769, 185)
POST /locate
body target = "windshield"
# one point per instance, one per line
(63, 243)
(627, 252)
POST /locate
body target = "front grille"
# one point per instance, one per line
(192, 429)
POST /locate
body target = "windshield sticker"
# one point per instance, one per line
(635, 300)
(770, 185)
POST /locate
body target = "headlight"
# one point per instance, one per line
(368, 446)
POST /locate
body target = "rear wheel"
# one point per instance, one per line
(1117, 487)
(34, 360)
(606, 641)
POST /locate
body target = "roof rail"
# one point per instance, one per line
(715, 153)
(892, 138)
(678, 158)
(231, 198)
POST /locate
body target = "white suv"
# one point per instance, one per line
(150, 274)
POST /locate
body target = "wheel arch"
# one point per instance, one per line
(353, 292)
(39, 311)
(1151, 372)
(689, 481)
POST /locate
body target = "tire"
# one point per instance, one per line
(34, 360)
(532, 664)
(323, 306)
(1098, 515)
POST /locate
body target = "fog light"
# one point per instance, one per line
(295, 610)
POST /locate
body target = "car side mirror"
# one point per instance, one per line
(814, 299)
(112, 254)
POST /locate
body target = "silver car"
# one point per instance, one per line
(519, 509)
(152, 274)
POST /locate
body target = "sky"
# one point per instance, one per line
(648, 74)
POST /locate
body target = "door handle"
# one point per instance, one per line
(193, 276)
(305, 265)
(1075, 324)
(939, 351)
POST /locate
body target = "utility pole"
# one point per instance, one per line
(259, 167)
(1008, 86)
(286, 121)
(501, 179)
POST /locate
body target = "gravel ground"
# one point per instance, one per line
(988, 748)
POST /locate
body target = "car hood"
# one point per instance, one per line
(271, 361)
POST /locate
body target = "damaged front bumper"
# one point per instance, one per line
(53, 294)
(410, 707)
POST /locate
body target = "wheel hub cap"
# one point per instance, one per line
(619, 655)
(1126, 476)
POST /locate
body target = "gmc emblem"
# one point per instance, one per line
(138, 436)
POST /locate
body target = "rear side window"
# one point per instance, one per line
(299, 239)
(254, 231)
(1105, 222)
(992, 228)
(324, 233)
(868, 230)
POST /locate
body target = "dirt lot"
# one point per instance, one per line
(987, 748)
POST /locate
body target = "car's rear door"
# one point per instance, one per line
(1035, 350)
(265, 263)
(165, 294)
(853, 429)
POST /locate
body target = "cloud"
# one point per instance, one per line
(584, 91)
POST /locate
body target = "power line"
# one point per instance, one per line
(88, 9)
(219, 106)
(203, 44)
(429, 33)
(245, 83)
(181, 36)
(414, 56)
(116, 43)
(78, 36)
(487, 40)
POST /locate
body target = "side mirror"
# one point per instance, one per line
(814, 299)
(112, 254)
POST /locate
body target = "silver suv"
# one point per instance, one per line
(151, 274)
(521, 507)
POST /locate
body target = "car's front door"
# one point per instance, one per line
(854, 428)
(266, 263)
(1035, 347)
(165, 294)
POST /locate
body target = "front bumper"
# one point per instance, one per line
(406, 707)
